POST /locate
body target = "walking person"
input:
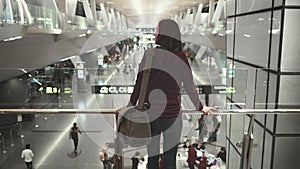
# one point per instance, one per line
(136, 158)
(192, 156)
(27, 155)
(169, 71)
(222, 154)
(201, 152)
(74, 136)
(105, 159)
(216, 123)
(161, 161)
(202, 128)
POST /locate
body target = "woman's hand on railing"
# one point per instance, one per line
(206, 110)
(119, 109)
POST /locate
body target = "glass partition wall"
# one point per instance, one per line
(54, 98)
(51, 99)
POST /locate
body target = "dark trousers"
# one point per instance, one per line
(106, 164)
(75, 144)
(171, 130)
(191, 166)
(29, 164)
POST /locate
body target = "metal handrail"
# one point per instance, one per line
(113, 111)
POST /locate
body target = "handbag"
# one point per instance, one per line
(133, 123)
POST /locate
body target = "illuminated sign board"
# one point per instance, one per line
(212, 89)
(80, 70)
(112, 89)
(121, 89)
(55, 90)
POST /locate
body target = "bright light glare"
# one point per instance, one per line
(138, 5)
(54, 145)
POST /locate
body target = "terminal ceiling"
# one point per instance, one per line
(149, 12)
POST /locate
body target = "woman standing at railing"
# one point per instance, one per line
(169, 70)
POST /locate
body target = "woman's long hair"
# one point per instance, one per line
(168, 36)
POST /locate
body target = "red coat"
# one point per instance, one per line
(168, 71)
(203, 163)
(192, 156)
(161, 164)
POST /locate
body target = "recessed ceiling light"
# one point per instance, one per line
(247, 35)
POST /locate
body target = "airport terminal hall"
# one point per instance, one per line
(149, 84)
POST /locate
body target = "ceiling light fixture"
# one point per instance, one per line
(247, 35)
(110, 2)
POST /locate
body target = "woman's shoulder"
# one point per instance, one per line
(182, 56)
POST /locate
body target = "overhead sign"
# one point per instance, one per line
(55, 90)
(112, 89)
(212, 89)
(121, 89)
